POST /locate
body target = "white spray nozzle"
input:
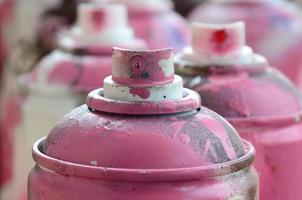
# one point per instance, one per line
(94, 18)
(218, 38)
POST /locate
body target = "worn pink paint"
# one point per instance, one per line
(275, 33)
(215, 126)
(170, 149)
(110, 183)
(80, 73)
(241, 96)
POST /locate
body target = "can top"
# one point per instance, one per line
(83, 59)
(219, 45)
(233, 80)
(133, 125)
(143, 76)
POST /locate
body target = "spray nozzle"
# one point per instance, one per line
(218, 38)
(95, 18)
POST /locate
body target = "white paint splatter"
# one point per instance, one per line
(167, 66)
(236, 198)
(94, 163)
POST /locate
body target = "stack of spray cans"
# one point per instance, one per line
(59, 82)
(262, 104)
(215, 121)
(145, 137)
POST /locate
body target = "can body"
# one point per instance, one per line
(58, 84)
(45, 185)
(278, 146)
(22, 36)
(39, 114)
(141, 178)
(131, 142)
(253, 103)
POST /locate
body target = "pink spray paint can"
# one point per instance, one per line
(258, 100)
(274, 29)
(157, 23)
(143, 136)
(63, 78)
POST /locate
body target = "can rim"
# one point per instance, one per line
(190, 68)
(141, 175)
(81, 49)
(190, 101)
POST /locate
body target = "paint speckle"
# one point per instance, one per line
(236, 198)
(141, 92)
(185, 138)
(94, 163)
(297, 118)
(167, 66)
(145, 75)
(220, 37)
(97, 18)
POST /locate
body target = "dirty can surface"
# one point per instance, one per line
(143, 136)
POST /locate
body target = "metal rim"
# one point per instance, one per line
(190, 101)
(141, 175)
